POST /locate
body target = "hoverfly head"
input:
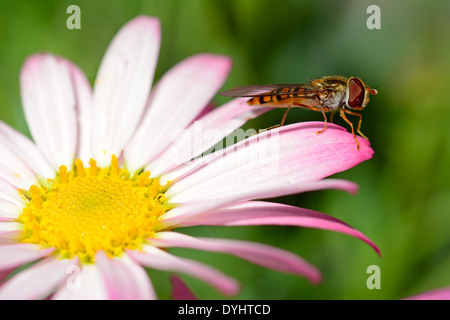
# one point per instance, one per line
(358, 94)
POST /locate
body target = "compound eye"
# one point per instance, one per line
(356, 95)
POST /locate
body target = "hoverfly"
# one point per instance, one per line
(328, 94)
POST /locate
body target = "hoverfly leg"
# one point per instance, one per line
(359, 122)
(325, 118)
(331, 116)
(270, 128)
(285, 114)
(282, 120)
(342, 113)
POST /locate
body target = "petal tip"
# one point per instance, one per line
(32, 62)
(315, 278)
(365, 148)
(232, 289)
(39, 60)
(146, 22)
(377, 250)
(220, 62)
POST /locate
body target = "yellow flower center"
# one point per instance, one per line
(90, 209)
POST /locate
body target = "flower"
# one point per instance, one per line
(97, 195)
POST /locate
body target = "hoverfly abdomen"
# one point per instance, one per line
(274, 96)
(260, 100)
(256, 101)
(283, 93)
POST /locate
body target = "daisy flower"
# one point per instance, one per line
(95, 197)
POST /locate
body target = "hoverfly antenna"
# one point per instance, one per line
(373, 91)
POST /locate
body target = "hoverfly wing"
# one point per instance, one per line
(248, 91)
(267, 90)
(278, 95)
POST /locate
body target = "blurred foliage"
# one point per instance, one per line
(404, 199)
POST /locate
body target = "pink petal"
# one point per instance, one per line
(158, 259)
(439, 294)
(124, 279)
(86, 284)
(257, 253)
(204, 134)
(199, 77)
(15, 255)
(9, 237)
(4, 274)
(266, 213)
(180, 170)
(38, 281)
(26, 150)
(122, 86)
(209, 107)
(273, 163)
(11, 193)
(9, 211)
(10, 232)
(83, 96)
(10, 226)
(179, 289)
(244, 192)
(49, 102)
(14, 171)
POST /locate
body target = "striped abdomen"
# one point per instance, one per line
(282, 96)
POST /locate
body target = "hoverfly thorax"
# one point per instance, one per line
(358, 94)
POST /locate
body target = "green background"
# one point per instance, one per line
(403, 203)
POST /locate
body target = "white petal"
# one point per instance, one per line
(204, 133)
(38, 281)
(11, 194)
(14, 171)
(14, 255)
(49, 104)
(10, 226)
(26, 150)
(86, 283)
(124, 279)
(194, 81)
(9, 210)
(122, 86)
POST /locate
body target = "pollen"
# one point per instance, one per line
(89, 209)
